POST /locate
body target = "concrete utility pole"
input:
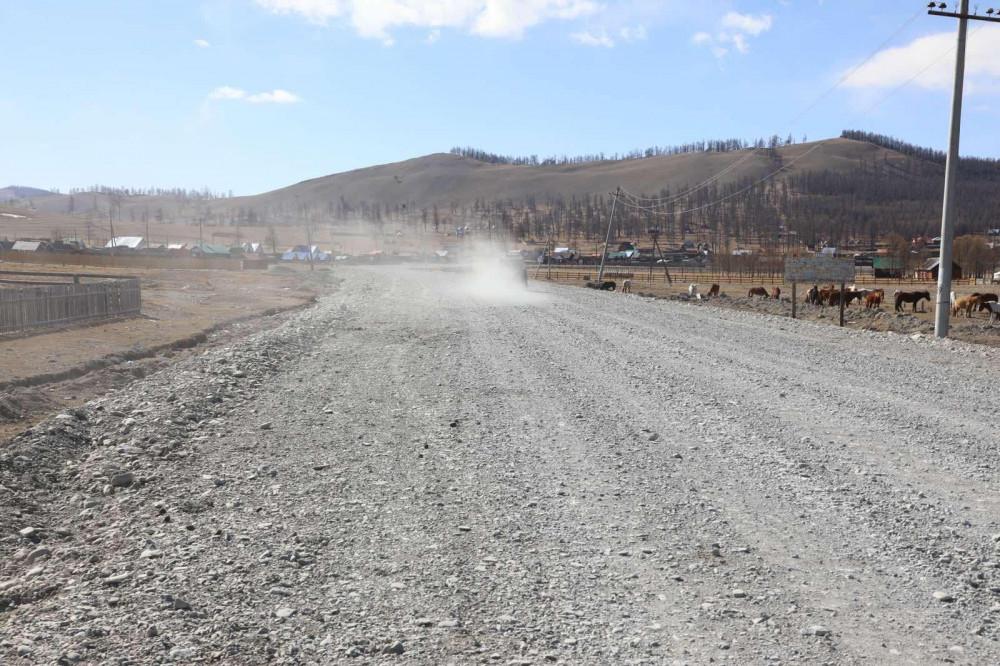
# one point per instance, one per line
(943, 310)
(607, 238)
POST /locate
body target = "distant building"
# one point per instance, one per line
(126, 242)
(304, 252)
(887, 267)
(208, 250)
(29, 246)
(931, 269)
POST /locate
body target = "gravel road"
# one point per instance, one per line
(426, 469)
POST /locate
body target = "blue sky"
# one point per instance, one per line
(250, 95)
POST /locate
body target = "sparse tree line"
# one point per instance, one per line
(970, 166)
(204, 194)
(708, 146)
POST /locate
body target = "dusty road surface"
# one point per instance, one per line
(414, 471)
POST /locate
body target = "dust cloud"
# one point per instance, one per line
(490, 277)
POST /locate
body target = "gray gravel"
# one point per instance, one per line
(415, 472)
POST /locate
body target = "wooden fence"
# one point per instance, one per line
(681, 276)
(33, 306)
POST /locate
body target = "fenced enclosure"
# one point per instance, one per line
(29, 303)
(654, 276)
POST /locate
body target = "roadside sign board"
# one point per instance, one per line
(819, 269)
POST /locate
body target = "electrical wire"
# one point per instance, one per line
(774, 173)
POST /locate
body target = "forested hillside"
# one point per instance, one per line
(772, 193)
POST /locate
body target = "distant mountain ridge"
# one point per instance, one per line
(18, 192)
(856, 185)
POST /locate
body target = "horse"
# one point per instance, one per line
(913, 297)
(714, 291)
(966, 303)
(692, 290)
(874, 298)
(626, 286)
(757, 291)
(826, 295)
(983, 299)
(812, 296)
(776, 293)
(855, 294)
(606, 285)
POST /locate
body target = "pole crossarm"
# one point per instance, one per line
(959, 15)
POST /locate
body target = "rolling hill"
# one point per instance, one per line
(444, 179)
(856, 186)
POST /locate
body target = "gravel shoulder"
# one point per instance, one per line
(424, 469)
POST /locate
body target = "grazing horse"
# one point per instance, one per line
(626, 286)
(983, 299)
(757, 291)
(873, 300)
(776, 293)
(855, 294)
(714, 291)
(812, 296)
(966, 303)
(913, 297)
(606, 285)
(833, 297)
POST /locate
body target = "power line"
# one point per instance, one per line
(774, 173)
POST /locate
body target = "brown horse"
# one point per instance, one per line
(914, 297)
(757, 291)
(873, 300)
(714, 291)
(964, 304)
(776, 293)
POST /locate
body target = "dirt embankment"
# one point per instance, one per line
(181, 310)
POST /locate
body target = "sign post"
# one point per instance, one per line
(816, 269)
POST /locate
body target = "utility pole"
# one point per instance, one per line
(943, 310)
(607, 238)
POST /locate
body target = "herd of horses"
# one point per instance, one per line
(823, 296)
(872, 298)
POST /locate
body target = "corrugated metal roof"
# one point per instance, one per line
(131, 242)
(26, 246)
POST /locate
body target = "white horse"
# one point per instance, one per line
(692, 290)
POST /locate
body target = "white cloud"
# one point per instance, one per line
(588, 38)
(735, 31)
(277, 96)
(202, 43)
(746, 24)
(488, 18)
(227, 92)
(932, 59)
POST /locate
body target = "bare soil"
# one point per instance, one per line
(885, 319)
(182, 309)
